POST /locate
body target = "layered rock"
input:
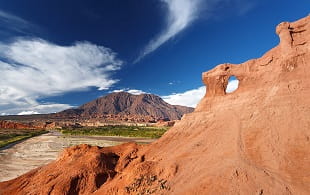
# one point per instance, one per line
(253, 141)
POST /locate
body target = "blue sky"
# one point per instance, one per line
(55, 54)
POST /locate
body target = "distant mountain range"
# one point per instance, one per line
(123, 103)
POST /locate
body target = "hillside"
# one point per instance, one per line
(255, 140)
(123, 103)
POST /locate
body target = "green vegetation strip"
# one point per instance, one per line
(125, 131)
(11, 136)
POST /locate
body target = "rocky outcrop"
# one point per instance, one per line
(15, 125)
(125, 104)
(80, 169)
(252, 141)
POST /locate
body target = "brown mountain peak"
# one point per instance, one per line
(123, 103)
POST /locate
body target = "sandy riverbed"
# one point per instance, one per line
(37, 151)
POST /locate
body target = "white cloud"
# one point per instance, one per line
(28, 113)
(33, 69)
(180, 15)
(136, 91)
(192, 97)
(35, 108)
(50, 108)
(232, 86)
(188, 98)
(132, 91)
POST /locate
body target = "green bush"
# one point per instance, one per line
(10, 136)
(125, 131)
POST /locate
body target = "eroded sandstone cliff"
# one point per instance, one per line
(253, 141)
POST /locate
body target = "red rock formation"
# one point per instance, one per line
(15, 125)
(252, 141)
(80, 169)
(162, 123)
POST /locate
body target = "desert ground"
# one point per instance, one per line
(17, 159)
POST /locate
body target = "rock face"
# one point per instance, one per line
(253, 141)
(126, 104)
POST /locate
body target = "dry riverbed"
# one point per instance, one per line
(22, 157)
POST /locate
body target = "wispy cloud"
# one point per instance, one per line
(180, 15)
(13, 23)
(32, 69)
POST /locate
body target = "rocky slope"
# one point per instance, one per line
(253, 141)
(126, 104)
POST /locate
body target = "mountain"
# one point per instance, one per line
(255, 140)
(123, 103)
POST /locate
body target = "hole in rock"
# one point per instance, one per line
(100, 179)
(74, 188)
(233, 84)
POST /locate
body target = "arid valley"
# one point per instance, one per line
(40, 150)
(246, 131)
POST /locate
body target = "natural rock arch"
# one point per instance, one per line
(233, 84)
(217, 79)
